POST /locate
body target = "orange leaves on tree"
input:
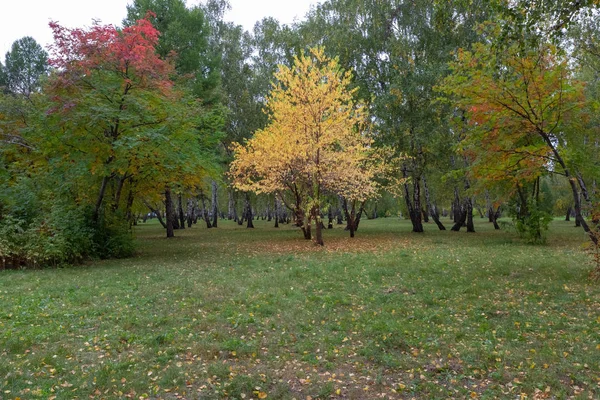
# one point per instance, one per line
(515, 102)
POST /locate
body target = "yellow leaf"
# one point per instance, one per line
(262, 395)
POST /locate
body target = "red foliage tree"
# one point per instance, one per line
(115, 107)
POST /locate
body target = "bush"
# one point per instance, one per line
(112, 237)
(531, 224)
(65, 235)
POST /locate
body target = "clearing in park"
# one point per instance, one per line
(236, 313)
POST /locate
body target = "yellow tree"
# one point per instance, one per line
(315, 143)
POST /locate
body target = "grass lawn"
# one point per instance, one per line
(237, 313)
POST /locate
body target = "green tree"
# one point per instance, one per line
(400, 51)
(586, 42)
(248, 63)
(532, 23)
(2, 77)
(184, 35)
(26, 64)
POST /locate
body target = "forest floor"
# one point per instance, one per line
(242, 314)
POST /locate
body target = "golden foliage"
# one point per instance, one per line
(316, 140)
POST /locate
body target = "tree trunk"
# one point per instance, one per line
(416, 219)
(306, 228)
(495, 215)
(358, 216)
(414, 206)
(231, 206)
(459, 216)
(568, 216)
(205, 211)
(190, 212)
(480, 211)
(425, 215)
(157, 213)
(469, 211)
(492, 216)
(318, 226)
(237, 218)
(170, 214)
(436, 217)
(100, 198)
(374, 215)
(432, 207)
(277, 211)
(215, 205)
(456, 207)
(350, 217)
(459, 222)
(195, 211)
(248, 212)
(130, 197)
(180, 211)
(330, 217)
(302, 221)
(118, 192)
(175, 218)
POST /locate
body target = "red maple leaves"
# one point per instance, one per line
(130, 53)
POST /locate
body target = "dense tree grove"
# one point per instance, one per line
(421, 109)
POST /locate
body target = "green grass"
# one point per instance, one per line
(237, 313)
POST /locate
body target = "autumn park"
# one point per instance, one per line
(383, 200)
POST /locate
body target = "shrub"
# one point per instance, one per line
(531, 222)
(112, 237)
(65, 235)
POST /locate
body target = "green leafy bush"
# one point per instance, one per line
(65, 235)
(112, 237)
(531, 222)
